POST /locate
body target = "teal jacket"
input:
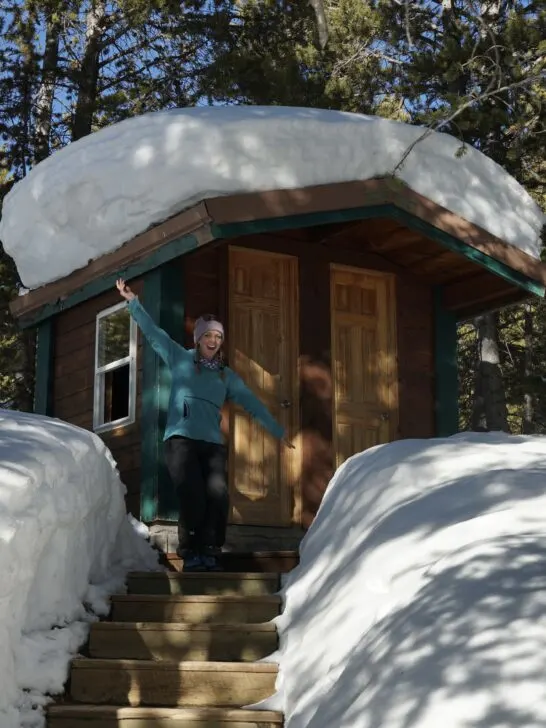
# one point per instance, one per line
(197, 396)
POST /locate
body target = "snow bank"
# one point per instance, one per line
(420, 600)
(97, 193)
(66, 543)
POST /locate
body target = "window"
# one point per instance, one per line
(115, 369)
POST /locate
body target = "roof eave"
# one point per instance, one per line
(243, 214)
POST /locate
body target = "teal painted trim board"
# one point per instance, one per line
(446, 374)
(458, 246)
(165, 254)
(171, 319)
(291, 222)
(163, 298)
(149, 420)
(43, 385)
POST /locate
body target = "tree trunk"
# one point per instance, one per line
(46, 91)
(89, 72)
(24, 79)
(528, 424)
(489, 410)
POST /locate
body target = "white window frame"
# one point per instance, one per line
(98, 395)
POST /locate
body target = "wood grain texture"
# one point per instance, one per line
(203, 609)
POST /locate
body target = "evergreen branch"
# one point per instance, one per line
(445, 122)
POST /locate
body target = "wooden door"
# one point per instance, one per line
(263, 350)
(363, 360)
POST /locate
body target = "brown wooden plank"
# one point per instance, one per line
(142, 682)
(75, 404)
(200, 609)
(191, 220)
(88, 716)
(281, 203)
(470, 234)
(84, 357)
(179, 642)
(132, 503)
(68, 343)
(84, 316)
(415, 328)
(126, 454)
(201, 285)
(469, 292)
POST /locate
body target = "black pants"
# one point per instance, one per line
(198, 472)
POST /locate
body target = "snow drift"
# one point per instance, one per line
(99, 192)
(66, 543)
(420, 599)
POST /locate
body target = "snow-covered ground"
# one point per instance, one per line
(420, 600)
(97, 193)
(66, 543)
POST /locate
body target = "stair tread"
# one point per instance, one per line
(256, 598)
(184, 626)
(107, 711)
(96, 663)
(206, 575)
(245, 554)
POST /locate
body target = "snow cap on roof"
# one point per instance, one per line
(92, 196)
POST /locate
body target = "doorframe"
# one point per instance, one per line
(293, 458)
(392, 335)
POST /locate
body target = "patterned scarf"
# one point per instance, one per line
(213, 364)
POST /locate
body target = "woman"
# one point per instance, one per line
(195, 453)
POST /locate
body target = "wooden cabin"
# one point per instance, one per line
(340, 302)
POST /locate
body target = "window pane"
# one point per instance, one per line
(114, 333)
(116, 394)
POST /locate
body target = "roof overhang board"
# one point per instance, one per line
(493, 265)
(170, 251)
(239, 215)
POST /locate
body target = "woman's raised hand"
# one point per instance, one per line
(124, 290)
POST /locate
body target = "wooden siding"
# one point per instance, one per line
(73, 382)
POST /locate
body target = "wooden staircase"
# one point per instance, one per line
(180, 651)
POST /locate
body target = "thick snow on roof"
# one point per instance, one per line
(66, 543)
(420, 598)
(99, 192)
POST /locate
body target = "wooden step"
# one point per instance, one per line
(109, 716)
(182, 642)
(165, 684)
(196, 609)
(170, 582)
(278, 562)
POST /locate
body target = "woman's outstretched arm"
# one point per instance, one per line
(159, 340)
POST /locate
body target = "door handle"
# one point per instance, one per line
(385, 416)
(286, 403)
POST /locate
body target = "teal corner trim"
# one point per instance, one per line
(43, 383)
(158, 258)
(163, 297)
(445, 369)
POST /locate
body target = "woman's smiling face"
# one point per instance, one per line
(210, 343)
